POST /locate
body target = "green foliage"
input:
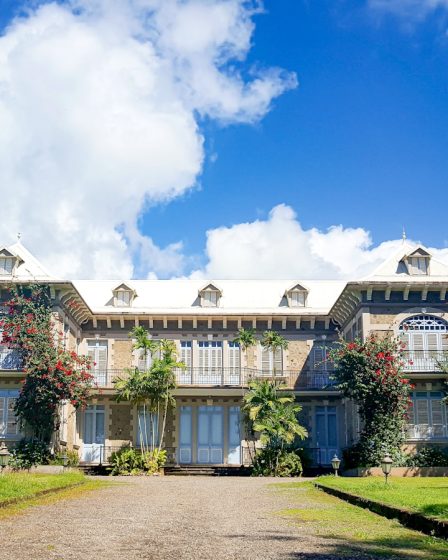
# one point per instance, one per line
(29, 453)
(128, 461)
(269, 410)
(288, 463)
(245, 338)
(371, 373)
(53, 375)
(428, 457)
(72, 458)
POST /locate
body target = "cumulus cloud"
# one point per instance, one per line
(410, 10)
(279, 247)
(99, 108)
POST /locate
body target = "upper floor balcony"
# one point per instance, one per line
(425, 361)
(229, 378)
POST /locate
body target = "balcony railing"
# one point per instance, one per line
(426, 432)
(11, 360)
(425, 361)
(228, 377)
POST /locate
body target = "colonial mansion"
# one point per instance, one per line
(406, 295)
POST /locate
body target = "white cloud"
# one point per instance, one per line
(280, 248)
(410, 10)
(98, 110)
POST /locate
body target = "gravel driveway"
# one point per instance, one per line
(164, 518)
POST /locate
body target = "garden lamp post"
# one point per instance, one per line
(4, 456)
(64, 461)
(335, 463)
(386, 465)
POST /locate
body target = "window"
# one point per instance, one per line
(272, 361)
(210, 356)
(429, 418)
(210, 295)
(6, 265)
(123, 296)
(296, 296)
(418, 265)
(97, 351)
(234, 356)
(9, 426)
(426, 341)
(185, 353)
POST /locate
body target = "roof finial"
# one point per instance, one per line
(403, 235)
(19, 235)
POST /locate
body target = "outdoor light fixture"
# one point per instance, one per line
(386, 465)
(4, 456)
(335, 463)
(64, 461)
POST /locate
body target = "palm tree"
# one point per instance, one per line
(143, 342)
(245, 340)
(273, 342)
(262, 398)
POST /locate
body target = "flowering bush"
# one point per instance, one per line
(371, 373)
(53, 374)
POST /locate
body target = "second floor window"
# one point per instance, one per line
(428, 418)
(9, 426)
(97, 351)
(210, 355)
(6, 265)
(272, 361)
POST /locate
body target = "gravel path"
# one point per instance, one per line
(165, 518)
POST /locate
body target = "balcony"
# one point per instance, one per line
(425, 361)
(11, 360)
(426, 432)
(228, 378)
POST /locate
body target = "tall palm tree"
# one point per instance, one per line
(273, 342)
(143, 342)
(245, 340)
(262, 398)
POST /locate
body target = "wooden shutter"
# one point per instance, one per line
(278, 360)
(417, 341)
(11, 422)
(319, 356)
(437, 418)
(185, 354)
(422, 414)
(266, 361)
(234, 357)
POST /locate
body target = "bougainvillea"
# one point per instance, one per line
(53, 374)
(371, 373)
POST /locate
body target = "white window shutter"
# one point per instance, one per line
(11, 424)
(3, 416)
(266, 360)
(437, 418)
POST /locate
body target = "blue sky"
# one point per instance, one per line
(361, 142)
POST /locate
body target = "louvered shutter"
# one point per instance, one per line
(234, 357)
(2, 416)
(185, 354)
(11, 423)
(422, 414)
(437, 418)
(417, 340)
(319, 356)
(266, 361)
(278, 360)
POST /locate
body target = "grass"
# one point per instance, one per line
(353, 530)
(24, 486)
(428, 496)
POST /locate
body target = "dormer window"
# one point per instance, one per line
(210, 296)
(417, 263)
(296, 296)
(8, 262)
(123, 296)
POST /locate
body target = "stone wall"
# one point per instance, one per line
(297, 353)
(121, 354)
(120, 428)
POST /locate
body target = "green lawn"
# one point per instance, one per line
(428, 496)
(23, 486)
(352, 531)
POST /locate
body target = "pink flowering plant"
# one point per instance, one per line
(53, 374)
(371, 373)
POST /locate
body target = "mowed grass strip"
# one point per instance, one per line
(353, 530)
(23, 486)
(428, 496)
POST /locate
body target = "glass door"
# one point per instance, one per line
(210, 434)
(94, 437)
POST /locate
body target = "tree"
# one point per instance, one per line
(245, 340)
(274, 342)
(274, 414)
(53, 374)
(371, 373)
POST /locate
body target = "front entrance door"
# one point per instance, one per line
(93, 448)
(211, 434)
(326, 434)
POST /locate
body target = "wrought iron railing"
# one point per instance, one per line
(229, 377)
(11, 359)
(426, 432)
(425, 360)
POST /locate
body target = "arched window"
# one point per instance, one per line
(425, 335)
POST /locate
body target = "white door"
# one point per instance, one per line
(185, 434)
(234, 455)
(93, 448)
(97, 351)
(210, 363)
(210, 434)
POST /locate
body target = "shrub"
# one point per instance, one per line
(29, 453)
(428, 457)
(72, 459)
(269, 462)
(128, 461)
